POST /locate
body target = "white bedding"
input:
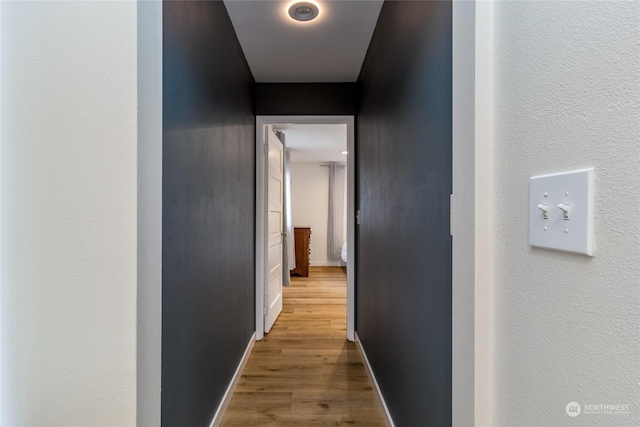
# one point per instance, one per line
(343, 253)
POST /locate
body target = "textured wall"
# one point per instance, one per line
(69, 184)
(208, 210)
(404, 180)
(567, 96)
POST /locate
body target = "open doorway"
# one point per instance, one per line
(264, 167)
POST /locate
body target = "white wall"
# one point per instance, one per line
(310, 202)
(566, 95)
(69, 177)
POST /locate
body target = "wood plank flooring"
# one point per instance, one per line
(305, 372)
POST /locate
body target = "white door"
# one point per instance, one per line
(275, 188)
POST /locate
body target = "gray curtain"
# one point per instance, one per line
(289, 256)
(335, 225)
(288, 241)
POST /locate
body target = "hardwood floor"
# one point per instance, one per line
(305, 372)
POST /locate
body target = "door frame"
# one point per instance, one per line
(261, 212)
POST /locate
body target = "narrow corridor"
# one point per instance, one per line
(305, 372)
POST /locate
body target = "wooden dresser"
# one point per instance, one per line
(302, 240)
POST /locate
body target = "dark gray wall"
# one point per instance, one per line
(306, 99)
(208, 209)
(404, 179)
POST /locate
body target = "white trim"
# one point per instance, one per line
(351, 231)
(217, 418)
(149, 257)
(2, 417)
(261, 219)
(472, 191)
(462, 220)
(387, 415)
(261, 228)
(483, 213)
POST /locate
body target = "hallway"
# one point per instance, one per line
(129, 196)
(304, 372)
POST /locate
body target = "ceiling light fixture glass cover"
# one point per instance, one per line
(303, 11)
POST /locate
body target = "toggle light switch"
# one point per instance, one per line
(569, 225)
(564, 207)
(545, 210)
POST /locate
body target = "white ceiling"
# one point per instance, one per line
(315, 143)
(330, 48)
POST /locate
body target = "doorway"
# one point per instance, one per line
(262, 273)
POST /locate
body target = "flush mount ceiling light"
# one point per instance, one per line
(304, 11)
(344, 152)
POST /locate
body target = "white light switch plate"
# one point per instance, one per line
(575, 189)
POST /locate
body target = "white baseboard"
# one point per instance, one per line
(387, 416)
(324, 263)
(217, 418)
